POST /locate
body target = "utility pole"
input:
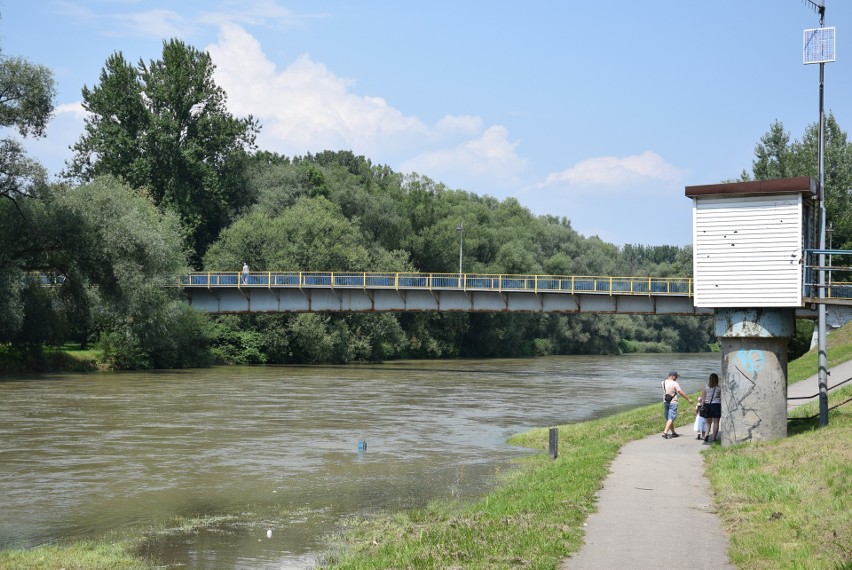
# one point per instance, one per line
(819, 48)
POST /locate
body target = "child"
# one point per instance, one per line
(700, 423)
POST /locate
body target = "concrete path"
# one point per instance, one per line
(655, 510)
(810, 386)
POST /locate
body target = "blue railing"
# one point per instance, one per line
(468, 281)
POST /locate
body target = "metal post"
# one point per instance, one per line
(819, 48)
(823, 357)
(460, 229)
(553, 448)
(830, 231)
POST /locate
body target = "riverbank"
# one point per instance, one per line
(534, 517)
(69, 358)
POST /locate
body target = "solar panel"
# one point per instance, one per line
(819, 46)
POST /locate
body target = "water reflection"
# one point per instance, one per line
(277, 447)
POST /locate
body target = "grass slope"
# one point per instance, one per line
(788, 503)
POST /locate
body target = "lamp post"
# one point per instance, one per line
(460, 230)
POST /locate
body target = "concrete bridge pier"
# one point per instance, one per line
(754, 372)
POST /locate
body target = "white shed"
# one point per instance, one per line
(748, 241)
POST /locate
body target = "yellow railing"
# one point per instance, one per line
(839, 290)
(680, 286)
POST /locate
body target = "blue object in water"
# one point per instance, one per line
(362, 445)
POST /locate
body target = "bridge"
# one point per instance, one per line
(304, 291)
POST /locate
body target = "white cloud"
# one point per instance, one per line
(463, 124)
(74, 109)
(163, 23)
(151, 23)
(305, 107)
(630, 199)
(255, 13)
(487, 164)
(648, 167)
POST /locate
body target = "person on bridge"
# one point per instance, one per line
(245, 273)
(670, 391)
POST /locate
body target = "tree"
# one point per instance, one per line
(164, 126)
(773, 158)
(778, 157)
(838, 175)
(27, 93)
(120, 254)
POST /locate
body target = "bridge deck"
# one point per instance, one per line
(233, 292)
(681, 286)
(304, 291)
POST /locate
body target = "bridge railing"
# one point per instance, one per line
(681, 286)
(834, 290)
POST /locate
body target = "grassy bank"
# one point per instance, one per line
(68, 358)
(787, 503)
(81, 555)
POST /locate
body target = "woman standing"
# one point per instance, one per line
(712, 396)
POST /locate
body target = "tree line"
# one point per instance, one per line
(164, 180)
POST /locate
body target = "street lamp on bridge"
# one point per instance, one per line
(460, 230)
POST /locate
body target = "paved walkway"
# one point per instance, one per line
(809, 387)
(655, 510)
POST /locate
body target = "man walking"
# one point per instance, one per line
(670, 391)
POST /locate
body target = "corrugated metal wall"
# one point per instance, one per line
(747, 251)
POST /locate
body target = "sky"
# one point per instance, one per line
(598, 111)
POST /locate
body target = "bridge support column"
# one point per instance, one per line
(754, 372)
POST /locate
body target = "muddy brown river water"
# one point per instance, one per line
(276, 449)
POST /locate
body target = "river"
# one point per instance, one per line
(289, 451)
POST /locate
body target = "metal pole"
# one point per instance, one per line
(830, 231)
(823, 356)
(553, 443)
(460, 229)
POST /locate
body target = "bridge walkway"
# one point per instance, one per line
(318, 291)
(297, 291)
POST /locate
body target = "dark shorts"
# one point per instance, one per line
(715, 411)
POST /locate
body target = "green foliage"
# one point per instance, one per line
(120, 252)
(164, 126)
(338, 212)
(801, 342)
(234, 343)
(97, 257)
(26, 103)
(181, 170)
(778, 157)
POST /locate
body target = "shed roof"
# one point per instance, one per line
(797, 185)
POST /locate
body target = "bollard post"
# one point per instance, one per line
(554, 443)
